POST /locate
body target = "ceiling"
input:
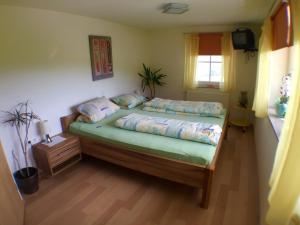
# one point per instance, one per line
(147, 13)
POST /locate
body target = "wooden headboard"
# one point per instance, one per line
(67, 120)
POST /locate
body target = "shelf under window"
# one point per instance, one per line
(276, 122)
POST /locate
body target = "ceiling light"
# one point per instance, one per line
(175, 8)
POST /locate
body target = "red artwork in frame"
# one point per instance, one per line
(101, 57)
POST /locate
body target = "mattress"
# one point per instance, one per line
(188, 151)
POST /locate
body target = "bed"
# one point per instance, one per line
(182, 161)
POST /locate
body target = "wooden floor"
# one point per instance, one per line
(94, 192)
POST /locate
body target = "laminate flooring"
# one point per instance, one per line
(94, 192)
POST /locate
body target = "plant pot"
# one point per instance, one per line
(30, 184)
(281, 109)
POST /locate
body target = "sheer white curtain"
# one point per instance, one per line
(190, 63)
(228, 82)
(261, 98)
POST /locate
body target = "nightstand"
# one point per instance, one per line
(54, 159)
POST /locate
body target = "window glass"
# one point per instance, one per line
(209, 70)
(203, 71)
(203, 58)
(216, 58)
(216, 71)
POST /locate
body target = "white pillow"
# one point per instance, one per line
(97, 109)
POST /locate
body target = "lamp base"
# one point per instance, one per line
(48, 138)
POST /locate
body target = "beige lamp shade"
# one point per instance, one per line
(44, 127)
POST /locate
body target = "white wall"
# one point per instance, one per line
(167, 52)
(44, 57)
(266, 143)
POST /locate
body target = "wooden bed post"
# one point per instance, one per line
(66, 121)
(206, 189)
(226, 132)
(226, 127)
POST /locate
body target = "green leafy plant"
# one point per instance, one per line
(21, 118)
(151, 78)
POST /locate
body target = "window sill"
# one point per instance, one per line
(211, 85)
(276, 122)
(208, 87)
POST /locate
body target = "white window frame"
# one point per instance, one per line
(209, 84)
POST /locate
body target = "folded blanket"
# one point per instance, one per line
(200, 108)
(199, 132)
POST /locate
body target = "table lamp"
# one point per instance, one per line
(45, 131)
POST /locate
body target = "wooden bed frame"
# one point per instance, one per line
(175, 170)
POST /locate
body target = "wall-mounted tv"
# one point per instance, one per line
(243, 39)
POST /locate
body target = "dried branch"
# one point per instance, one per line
(18, 162)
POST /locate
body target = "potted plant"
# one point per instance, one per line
(151, 78)
(21, 118)
(281, 103)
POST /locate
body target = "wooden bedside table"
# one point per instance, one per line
(52, 160)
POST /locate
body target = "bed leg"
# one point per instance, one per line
(226, 132)
(206, 190)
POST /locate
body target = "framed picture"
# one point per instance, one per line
(101, 57)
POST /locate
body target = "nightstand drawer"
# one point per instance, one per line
(64, 155)
(59, 149)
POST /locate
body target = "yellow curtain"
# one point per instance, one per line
(285, 178)
(261, 98)
(190, 63)
(228, 83)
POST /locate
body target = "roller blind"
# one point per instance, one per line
(281, 27)
(210, 44)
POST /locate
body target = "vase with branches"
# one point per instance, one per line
(150, 79)
(21, 118)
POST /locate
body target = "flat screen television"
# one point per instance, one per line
(243, 39)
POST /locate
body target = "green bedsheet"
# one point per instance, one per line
(188, 151)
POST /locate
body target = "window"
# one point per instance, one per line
(209, 70)
(209, 64)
